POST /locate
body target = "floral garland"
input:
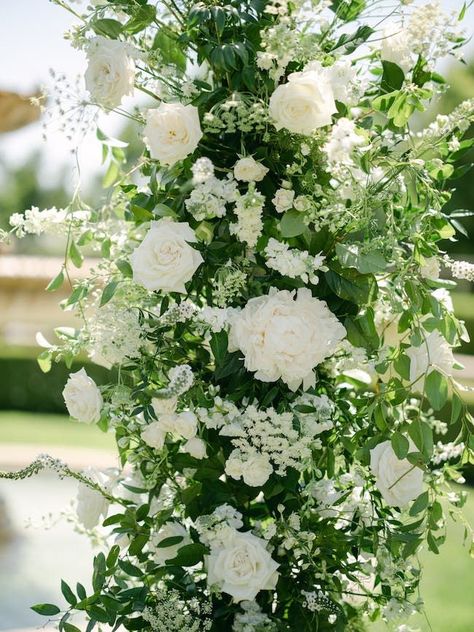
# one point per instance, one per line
(268, 285)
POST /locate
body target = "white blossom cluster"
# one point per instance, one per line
(446, 451)
(210, 195)
(35, 222)
(248, 209)
(252, 619)
(293, 263)
(341, 499)
(462, 270)
(171, 613)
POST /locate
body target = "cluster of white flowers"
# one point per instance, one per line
(171, 613)
(462, 270)
(236, 114)
(181, 379)
(214, 318)
(292, 262)
(252, 619)
(210, 196)
(213, 527)
(35, 222)
(178, 313)
(341, 499)
(266, 441)
(447, 451)
(228, 282)
(315, 413)
(248, 209)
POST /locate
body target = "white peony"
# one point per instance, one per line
(249, 170)
(241, 566)
(434, 353)
(82, 397)
(257, 470)
(397, 479)
(172, 132)
(165, 260)
(304, 104)
(91, 504)
(283, 200)
(169, 530)
(196, 448)
(110, 73)
(283, 335)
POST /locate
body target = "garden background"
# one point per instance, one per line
(32, 419)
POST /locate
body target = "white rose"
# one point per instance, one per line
(283, 200)
(165, 260)
(242, 566)
(249, 170)
(434, 353)
(196, 448)
(169, 530)
(185, 424)
(303, 104)
(172, 132)
(430, 269)
(110, 73)
(91, 505)
(285, 336)
(396, 47)
(234, 467)
(257, 470)
(82, 397)
(154, 435)
(397, 479)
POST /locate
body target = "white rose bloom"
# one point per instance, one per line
(169, 530)
(172, 132)
(283, 200)
(283, 335)
(434, 353)
(185, 424)
(304, 104)
(430, 269)
(396, 47)
(257, 470)
(242, 566)
(196, 448)
(397, 479)
(154, 435)
(234, 467)
(91, 505)
(110, 73)
(165, 260)
(249, 170)
(82, 397)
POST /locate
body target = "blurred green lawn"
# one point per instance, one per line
(448, 578)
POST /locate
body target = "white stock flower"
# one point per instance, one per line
(91, 504)
(304, 104)
(283, 200)
(283, 335)
(241, 566)
(165, 260)
(397, 479)
(249, 170)
(110, 73)
(257, 470)
(195, 447)
(434, 353)
(169, 530)
(82, 397)
(172, 132)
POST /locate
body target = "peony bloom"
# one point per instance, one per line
(241, 566)
(91, 505)
(169, 530)
(397, 479)
(82, 397)
(283, 335)
(249, 170)
(304, 104)
(110, 73)
(172, 132)
(434, 353)
(165, 260)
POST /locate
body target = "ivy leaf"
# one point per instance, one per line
(436, 389)
(46, 609)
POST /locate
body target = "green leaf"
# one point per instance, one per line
(45, 361)
(436, 389)
(219, 343)
(107, 27)
(365, 263)
(422, 436)
(46, 609)
(112, 556)
(292, 224)
(172, 541)
(69, 627)
(108, 292)
(400, 445)
(69, 596)
(111, 175)
(170, 50)
(420, 504)
(392, 78)
(125, 268)
(142, 17)
(56, 283)
(348, 10)
(189, 555)
(75, 254)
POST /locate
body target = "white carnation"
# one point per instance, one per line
(165, 260)
(82, 397)
(397, 479)
(110, 73)
(172, 132)
(283, 335)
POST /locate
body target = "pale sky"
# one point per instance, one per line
(31, 43)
